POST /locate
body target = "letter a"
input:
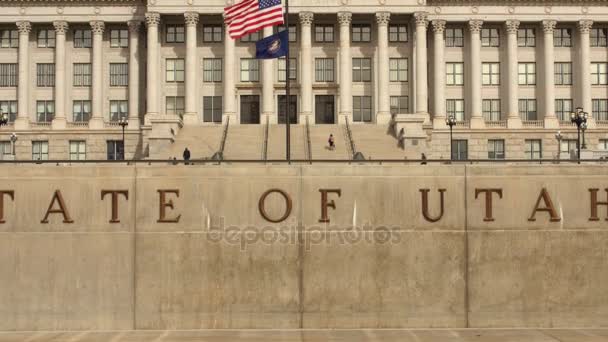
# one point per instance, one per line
(544, 196)
(62, 209)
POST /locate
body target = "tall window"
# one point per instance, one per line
(496, 149)
(527, 73)
(78, 150)
(460, 150)
(563, 73)
(293, 69)
(527, 109)
(455, 108)
(119, 38)
(174, 33)
(324, 70)
(526, 37)
(175, 70)
(454, 37)
(563, 108)
(399, 104)
(534, 149)
(118, 109)
(293, 32)
(398, 69)
(324, 33)
(362, 108)
(597, 37)
(568, 146)
(6, 150)
(599, 73)
(212, 70)
(81, 110)
(600, 109)
(251, 38)
(82, 74)
(213, 33)
(82, 38)
(8, 75)
(397, 33)
(119, 74)
(45, 74)
(362, 69)
(212, 109)
(40, 150)
(361, 33)
(454, 73)
(9, 38)
(562, 37)
(175, 105)
(45, 111)
(250, 70)
(603, 144)
(9, 108)
(115, 150)
(491, 109)
(490, 37)
(490, 73)
(46, 38)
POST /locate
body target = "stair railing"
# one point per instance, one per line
(351, 142)
(308, 144)
(219, 155)
(265, 144)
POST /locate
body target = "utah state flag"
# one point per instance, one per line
(274, 46)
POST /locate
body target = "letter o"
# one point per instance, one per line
(262, 207)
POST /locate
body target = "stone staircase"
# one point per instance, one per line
(276, 142)
(244, 142)
(319, 134)
(202, 141)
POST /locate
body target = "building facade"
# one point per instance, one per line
(509, 72)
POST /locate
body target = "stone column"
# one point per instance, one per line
(229, 98)
(384, 106)
(268, 112)
(96, 121)
(190, 116)
(23, 120)
(306, 62)
(438, 75)
(134, 26)
(477, 120)
(59, 121)
(346, 68)
(584, 65)
(551, 120)
(152, 65)
(513, 119)
(422, 94)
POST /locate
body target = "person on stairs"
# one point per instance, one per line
(331, 142)
(186, 155)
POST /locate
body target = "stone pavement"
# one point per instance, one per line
(385, 335)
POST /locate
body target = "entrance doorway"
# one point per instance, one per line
(325, 109)
(293, 108)
(250, 109)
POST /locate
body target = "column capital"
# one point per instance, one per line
(383, 18)
(421, 18)
(344, 18)
(306, 18)
(24, 27)
(97, 26)
(152, 18)
(191, 18)
(512, 26)
(134, 26)
(438, 26)
(584, 25)
(475, 25)
(61, 27)
(549, 26)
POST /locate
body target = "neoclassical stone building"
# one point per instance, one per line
(510, 72)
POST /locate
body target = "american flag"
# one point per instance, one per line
(249, 16)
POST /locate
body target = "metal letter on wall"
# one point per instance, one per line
(324, 204)
(594, 204)
(11, 194)
(262, 206)
(163, 204)
(488, 192)
(425, 205)
(61, 210)
(115, 194)
(544, 196)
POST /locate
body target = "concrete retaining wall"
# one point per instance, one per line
(224, 266)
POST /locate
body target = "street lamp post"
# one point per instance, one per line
(559, 137)
(13, 141)
(579, 117)
(123, 122)
(451, 121)
(583, 129)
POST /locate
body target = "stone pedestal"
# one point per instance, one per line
(165, 129)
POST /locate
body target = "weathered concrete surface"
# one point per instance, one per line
(223, 266)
